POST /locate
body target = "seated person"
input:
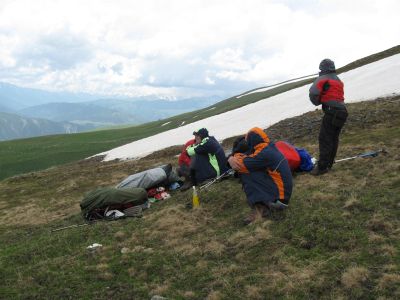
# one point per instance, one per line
(264, 173)
(207, 159)
(184, 161)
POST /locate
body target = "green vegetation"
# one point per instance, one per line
(21, 156)
(339, 238)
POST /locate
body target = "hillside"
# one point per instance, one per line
(27, 155)
(14, 126)
(150, 109)
(81, 113)
(338, 239)
(14, 98)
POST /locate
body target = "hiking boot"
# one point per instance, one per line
(317, 171)
(187, 185)
(257, 213)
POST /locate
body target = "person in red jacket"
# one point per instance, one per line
(328, 90)
(184, 161)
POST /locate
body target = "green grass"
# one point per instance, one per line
(338, 239)
(26, 155)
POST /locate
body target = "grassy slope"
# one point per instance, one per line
(339, 239)
(21, 156)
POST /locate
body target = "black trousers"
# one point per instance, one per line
(331, 125)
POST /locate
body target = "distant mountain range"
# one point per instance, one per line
(13, 126)
(80, 113)
(30, 112)
(14, 98)
(156, 109)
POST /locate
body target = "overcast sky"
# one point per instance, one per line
(182, 48)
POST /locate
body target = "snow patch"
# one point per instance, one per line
(365, 83)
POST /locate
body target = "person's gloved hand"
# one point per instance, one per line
(233, 162)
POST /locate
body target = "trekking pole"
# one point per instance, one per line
(68, 227)
(363, 155)
(208, 184)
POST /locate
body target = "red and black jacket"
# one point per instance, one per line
(184, 158)
(327, 90)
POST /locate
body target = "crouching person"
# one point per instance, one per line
(207, 159)
(264, 173)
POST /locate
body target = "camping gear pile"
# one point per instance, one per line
(131, 196)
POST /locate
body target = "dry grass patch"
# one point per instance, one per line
(214, 247)
(287, 277)
(214, 295)
(388, 250)
(187, 248)
(102, 267)
(352, 202)
(226, 270)
(3, 204)
(378, 224)
(120, 235)
(176, 229)
(202, 264)
(390, 282)
(31, 214)
(353, 277)
(189, 294)
(375, 238)
(160, 289)
(322, 196)
(253, 292)
(106, 276)
(258, 232)
(132, 272)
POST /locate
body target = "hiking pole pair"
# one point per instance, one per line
(363, 155)
(223, 175)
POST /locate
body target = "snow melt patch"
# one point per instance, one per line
(365, 83)
(263, 89)
(165, 123)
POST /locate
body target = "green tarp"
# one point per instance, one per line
(104, 197)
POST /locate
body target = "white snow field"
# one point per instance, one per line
(381, 78)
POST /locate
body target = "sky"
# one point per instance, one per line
(378, 79)
(184, 48)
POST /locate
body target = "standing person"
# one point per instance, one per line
(328, 90)
(207, 158)
(264, 173)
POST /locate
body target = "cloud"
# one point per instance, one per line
(58, 51)
(180, 47)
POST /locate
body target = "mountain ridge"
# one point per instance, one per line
(15, 159)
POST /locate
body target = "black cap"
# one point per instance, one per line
(202, 132)
(327, 65)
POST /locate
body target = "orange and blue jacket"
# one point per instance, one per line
(264, 171)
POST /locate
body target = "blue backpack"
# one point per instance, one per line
(306, 163)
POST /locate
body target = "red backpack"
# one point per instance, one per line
(290, 153)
